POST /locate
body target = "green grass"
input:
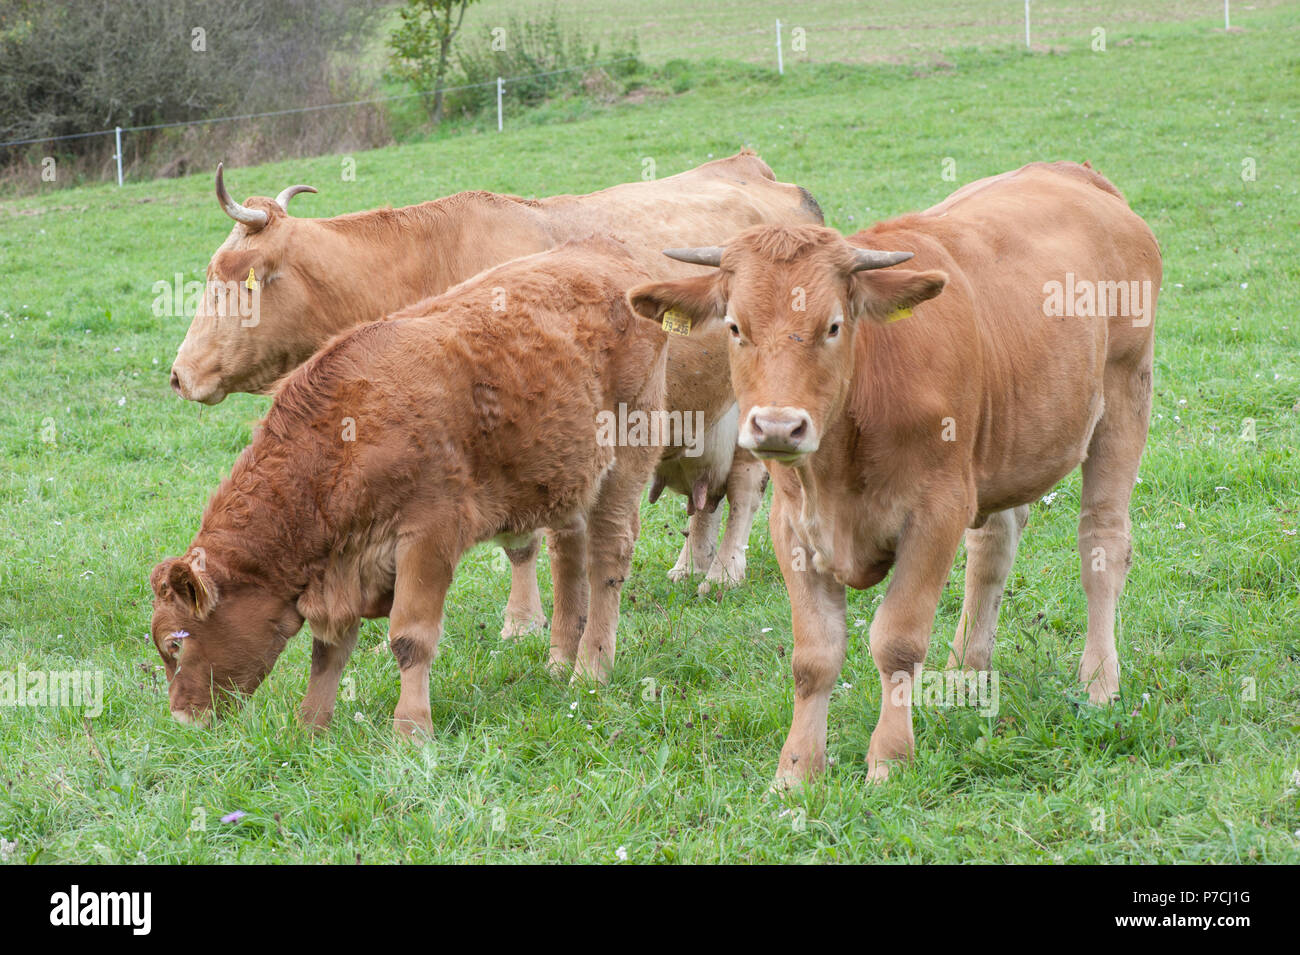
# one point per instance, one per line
(849, 31)
(1186, 768)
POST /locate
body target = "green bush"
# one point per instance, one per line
(540, 58)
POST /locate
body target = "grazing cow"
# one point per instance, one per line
(317, 277)
(369, 478)
(887, 440)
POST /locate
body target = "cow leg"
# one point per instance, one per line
(614, 524)
(900, 632)
(990, 552)
(745, 485)
(817, 609)
(330, 650)
(700, 546)
(524, 613)
(424, 575)
(568, 547)
(1105, 542)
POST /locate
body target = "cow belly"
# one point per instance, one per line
(709, 460)
(1041, 455)
(698, 385)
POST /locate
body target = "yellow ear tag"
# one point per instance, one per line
(676, 322)
(897, 315)
(251, 281)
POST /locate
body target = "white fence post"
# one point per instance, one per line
(780, 64)
(501, 85)
(1226, 24)
(117, 133)
(1027, 25)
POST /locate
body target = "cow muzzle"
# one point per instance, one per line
(193, 717)
(778, 433)
(196, 386)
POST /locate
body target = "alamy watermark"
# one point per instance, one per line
(64, 688)
(238, 298)
(1084, 298)
(658, 428)
(947, 689)
(133, 910)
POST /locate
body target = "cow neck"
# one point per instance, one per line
(821, 478)
(399, 256)
(262, 524)
(391, 261)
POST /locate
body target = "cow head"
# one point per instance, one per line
(239, 339)
(218, 636)
(791, 299)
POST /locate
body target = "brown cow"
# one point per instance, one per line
(317, 277)
(369, 478)
(887, 441)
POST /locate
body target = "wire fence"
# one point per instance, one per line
(501, 83)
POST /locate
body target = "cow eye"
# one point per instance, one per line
(834, 330)
(174, 643)
(734, 329)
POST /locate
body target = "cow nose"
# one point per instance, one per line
(193, 717)
(201, 385)
(779, 432)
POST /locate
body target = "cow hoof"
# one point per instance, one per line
(315, 720)
(1101, 680)
(878, 772)
(416, 727)
(720, 579)
(786, 784)
(559, 668)
(590, 673)
(678, 574)
(513, 629)
(707, 586)
(1099, 695)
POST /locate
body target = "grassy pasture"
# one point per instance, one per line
(847, 31)
(105, 472)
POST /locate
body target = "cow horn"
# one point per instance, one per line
(704, 255)
(864, 259)
(284, 197)
(254, 218)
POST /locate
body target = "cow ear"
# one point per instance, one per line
(692, 301)
(158, 577)
(192, 587)
(887, 295)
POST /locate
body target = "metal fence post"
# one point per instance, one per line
(780, 65)
(1027, 24)
(117, 133)
(1226, 24)
(501, 86)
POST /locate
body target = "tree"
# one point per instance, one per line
(421, 46)
(74, 66)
